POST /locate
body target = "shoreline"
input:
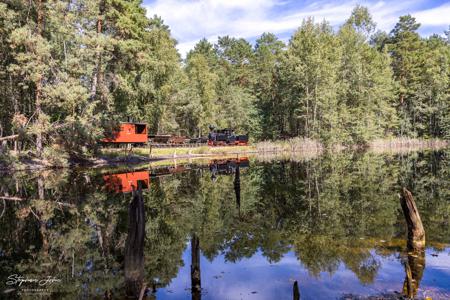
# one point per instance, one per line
(290, 148)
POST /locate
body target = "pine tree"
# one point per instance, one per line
(268, 55)
(203, 80)
(309, 73)
(366, 82)
(405, 47)
(435, 88)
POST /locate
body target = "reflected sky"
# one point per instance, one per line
(256, 278)
(334, 224)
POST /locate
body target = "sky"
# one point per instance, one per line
(192, 20)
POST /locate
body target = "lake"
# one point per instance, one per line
(328, 227)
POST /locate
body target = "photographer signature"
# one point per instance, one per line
(18, 280)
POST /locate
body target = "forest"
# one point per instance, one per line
(71, 70)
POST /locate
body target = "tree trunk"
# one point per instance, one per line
(134, 246)
(97, 77)
(416, 233)
(40, 29)
(307, 113)
(415, 245)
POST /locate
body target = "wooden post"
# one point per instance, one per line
(149, 149)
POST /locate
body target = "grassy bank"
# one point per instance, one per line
(303, 145)
(294, 149)
(291, 145)
(399, 145)
(182, 151)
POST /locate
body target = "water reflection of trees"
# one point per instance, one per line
(335, 210)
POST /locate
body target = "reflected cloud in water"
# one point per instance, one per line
(333, 224)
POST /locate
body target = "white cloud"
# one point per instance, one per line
(435, 16)
(192, 20)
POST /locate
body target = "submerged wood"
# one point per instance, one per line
(134, 246)
(415, 263)
(414, 267)
(416, 233)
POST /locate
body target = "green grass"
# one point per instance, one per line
(180, 151)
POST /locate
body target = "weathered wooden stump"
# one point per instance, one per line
(416, 233)
(415, 263)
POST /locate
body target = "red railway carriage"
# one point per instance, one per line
(126, 182)
(129, 133)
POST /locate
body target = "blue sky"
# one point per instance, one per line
(190, 21)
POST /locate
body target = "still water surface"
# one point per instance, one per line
(231, 229)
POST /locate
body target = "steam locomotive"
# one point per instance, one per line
(137, 134)
(227, 136)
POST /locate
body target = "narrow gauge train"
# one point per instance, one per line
(137, 134)
(227, 136)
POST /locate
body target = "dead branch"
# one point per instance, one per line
(9, 137)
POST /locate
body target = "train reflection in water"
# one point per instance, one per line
(134, 246)
(126, 182)
(226, 166)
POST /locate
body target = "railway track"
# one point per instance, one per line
(190, 145)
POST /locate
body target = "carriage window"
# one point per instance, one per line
(140, 128)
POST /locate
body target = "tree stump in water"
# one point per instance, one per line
(415, 263)
(416, 233)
